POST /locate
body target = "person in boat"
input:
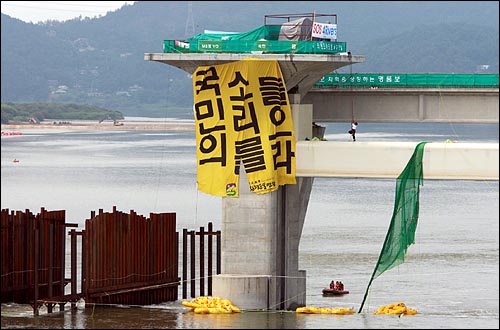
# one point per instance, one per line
(332, 285)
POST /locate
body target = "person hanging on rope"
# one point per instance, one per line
(354, 125)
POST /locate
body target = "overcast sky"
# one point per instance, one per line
(40, 11)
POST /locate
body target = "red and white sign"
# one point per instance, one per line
(324, 31)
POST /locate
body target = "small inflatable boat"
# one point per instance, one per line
(334, 292)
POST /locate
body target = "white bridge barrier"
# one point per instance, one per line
(451, 161)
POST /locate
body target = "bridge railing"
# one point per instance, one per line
(408, 80)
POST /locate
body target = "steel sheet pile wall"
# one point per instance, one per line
(32, 243)
(131, 259)
(204, 254)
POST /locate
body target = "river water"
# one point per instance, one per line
(450, 276)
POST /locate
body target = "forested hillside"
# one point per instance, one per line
(23, 112)
(101, 61)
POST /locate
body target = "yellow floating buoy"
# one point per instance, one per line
(211, 305)
(396, 309)
(324, 310)
(343, 311)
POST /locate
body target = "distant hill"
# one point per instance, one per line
(101, 61)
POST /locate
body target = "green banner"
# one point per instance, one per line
(408, 80)
(251, 46)
(262, 45)
(209, 46)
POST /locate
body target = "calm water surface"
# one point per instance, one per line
(450, 277)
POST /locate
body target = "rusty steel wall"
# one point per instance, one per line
(193, 268)
(32, 242)
(131, 259)
(125, 259)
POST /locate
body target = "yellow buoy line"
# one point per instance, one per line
(325, 310)
(216, 305)
(398, 308)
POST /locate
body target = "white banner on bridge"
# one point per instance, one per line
(324, 31)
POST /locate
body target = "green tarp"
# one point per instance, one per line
(401, 232)
(268, 32)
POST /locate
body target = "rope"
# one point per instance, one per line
(350, 86)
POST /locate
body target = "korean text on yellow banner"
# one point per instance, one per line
(243, 117)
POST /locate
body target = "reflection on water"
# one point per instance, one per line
(450, 276)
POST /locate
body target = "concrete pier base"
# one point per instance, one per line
(258, 292)
(254, 292)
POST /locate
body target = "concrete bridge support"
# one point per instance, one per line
(260, 245)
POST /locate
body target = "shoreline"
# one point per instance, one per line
(126, 126)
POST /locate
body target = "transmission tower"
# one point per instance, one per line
(189, 22)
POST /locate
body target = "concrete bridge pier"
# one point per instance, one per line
(261, 236)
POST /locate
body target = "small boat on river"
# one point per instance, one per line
(334, 292)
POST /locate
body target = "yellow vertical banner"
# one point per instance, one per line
(243, 118)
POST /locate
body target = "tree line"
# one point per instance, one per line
(23, 112)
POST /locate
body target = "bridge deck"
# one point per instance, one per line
(456, 161)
